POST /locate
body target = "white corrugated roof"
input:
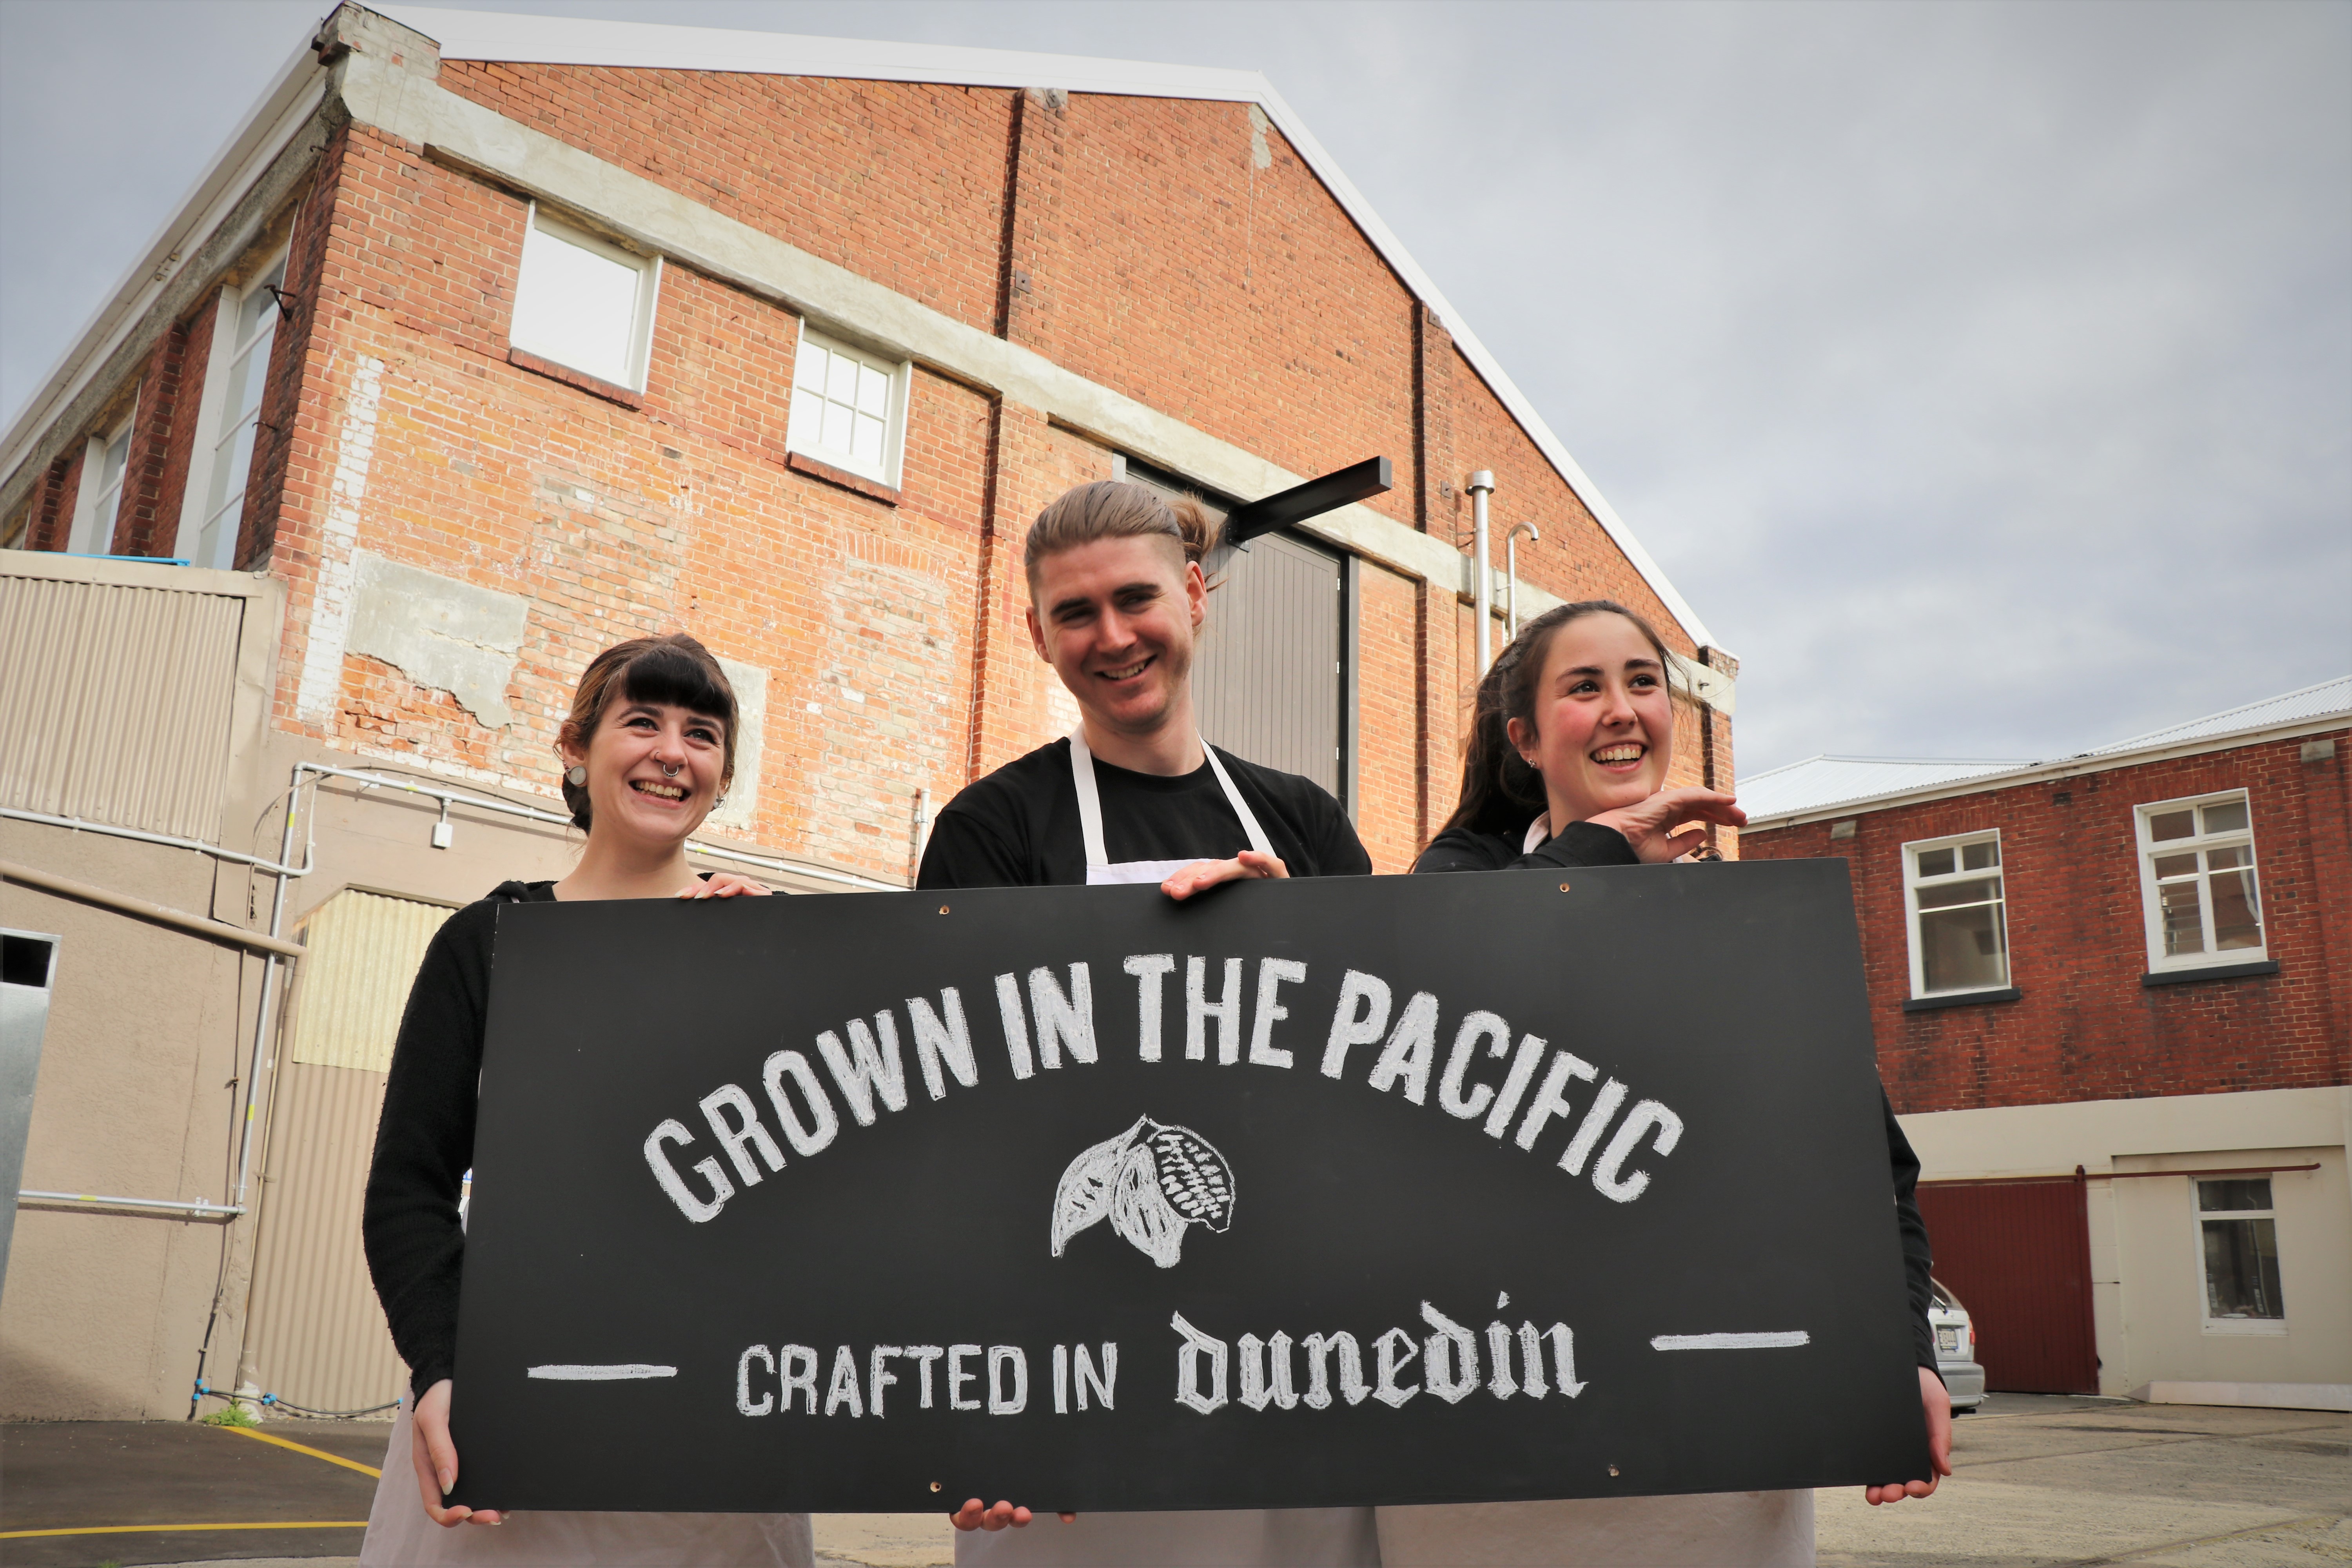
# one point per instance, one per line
(1826, 783)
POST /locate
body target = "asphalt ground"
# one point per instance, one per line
(97, 1476)
(2041, 1482)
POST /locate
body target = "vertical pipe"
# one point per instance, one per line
(1482, 486)
(269, 992)
(1511, 574)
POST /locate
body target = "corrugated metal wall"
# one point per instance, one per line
(2018, 1254)
(316, 1334)
(115, 702)
(1268, 678)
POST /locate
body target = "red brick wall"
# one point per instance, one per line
(2085, 1027)
(51, 527)
(147, 517)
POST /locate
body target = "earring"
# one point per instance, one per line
(576, 775)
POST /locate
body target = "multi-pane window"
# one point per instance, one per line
(250, 320)
(2239, 1235)
(2197, 870)
(1959, 933)
(584, 303)
(848, 407)
(102, 471)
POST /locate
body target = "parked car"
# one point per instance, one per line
(1956, 1350)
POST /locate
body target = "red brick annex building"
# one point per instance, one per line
(490, 341)
(2113, 1000)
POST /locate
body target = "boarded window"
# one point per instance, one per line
(2018, 1253)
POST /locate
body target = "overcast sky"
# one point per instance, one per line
(1982, 374)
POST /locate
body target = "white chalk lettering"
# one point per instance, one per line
(1589, 1131)
(1411, 1050)
(922, 1356)
(1476, 1027)
(866, 1070)
(822, 1125)
(1199, 1347)
(694, 1208)
(1645, 1116)
(1450, 1356)
(843, 1388)
(1061, 1380)
(1352, 1386)
(1000, 1400)
(957, 1376)
(1062, 1019)
(1199, 1010)
(1514, 1085)
(798, 1365)
(1103, 1385)
(1531, 1382)
(1393, 1350)
(743, 1381)
(1563, 1360)
(746, 1130)
(1361, 1018)
(937, 1042)
(879, 1377)
(1265, 1367)
(1551, 1099)
(1272, 975)
(1501, 1384)
(1016, 1026)
(1150, 971)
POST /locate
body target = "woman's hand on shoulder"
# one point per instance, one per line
(1649, 825)
(1203, 875)
(974, 1516)
(435, 1457)
(726, 885)
(1936, 1403)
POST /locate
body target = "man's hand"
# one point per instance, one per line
(1203, 875)
(436, 1460)
(726, 885)
(1649, 825)
(1937, 1404)
(972, 1516)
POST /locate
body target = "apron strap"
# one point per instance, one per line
(1090, 818)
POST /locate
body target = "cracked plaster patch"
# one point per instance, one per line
(444, 635)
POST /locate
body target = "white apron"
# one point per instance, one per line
(1229, 1537)
(400, 1534)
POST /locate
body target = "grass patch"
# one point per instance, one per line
(231, 1415)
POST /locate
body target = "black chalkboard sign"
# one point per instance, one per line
(1403, 1189)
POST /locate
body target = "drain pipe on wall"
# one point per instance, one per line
(1481, 486)
(1511, 575)
(268, 988)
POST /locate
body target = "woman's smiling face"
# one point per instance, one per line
(654, 768)
(1603, 731)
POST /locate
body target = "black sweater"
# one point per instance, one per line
(424, 1141)
(1586, 844)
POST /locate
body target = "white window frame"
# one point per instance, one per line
(2198, 1215)
(195, 499)
(2152, 908)
(648, 301)
(810, 443)
(97, 510)
(1912, 882)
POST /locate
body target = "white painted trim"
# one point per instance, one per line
(894, 419)
(1912, 877)
(218, 357)
(2043, 773)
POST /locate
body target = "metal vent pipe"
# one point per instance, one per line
(1482, 486)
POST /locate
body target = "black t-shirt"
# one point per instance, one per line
(1577, 844)
(1018, 827)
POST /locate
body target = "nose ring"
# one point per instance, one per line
(671, 773)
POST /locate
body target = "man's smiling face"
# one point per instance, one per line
(1115, 618)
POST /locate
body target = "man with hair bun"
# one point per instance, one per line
(1134, 794)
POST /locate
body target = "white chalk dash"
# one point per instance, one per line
(1779, 1341)
(620, 1372)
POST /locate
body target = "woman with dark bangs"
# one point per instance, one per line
(1570, 751)
(648, 750)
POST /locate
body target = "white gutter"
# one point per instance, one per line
(2064, 768)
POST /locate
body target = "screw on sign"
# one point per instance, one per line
(1150, 1182)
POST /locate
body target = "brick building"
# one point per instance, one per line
(2113, 1000)
(490, 341)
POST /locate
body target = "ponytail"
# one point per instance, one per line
(1113, 509)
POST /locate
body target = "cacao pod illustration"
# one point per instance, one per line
(1150, 1182)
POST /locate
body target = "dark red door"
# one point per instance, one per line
(2018, 1254)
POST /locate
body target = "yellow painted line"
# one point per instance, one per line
(173, 1528)
(302, 1448)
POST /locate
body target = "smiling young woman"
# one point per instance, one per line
(648, 749)
(1569, 751)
